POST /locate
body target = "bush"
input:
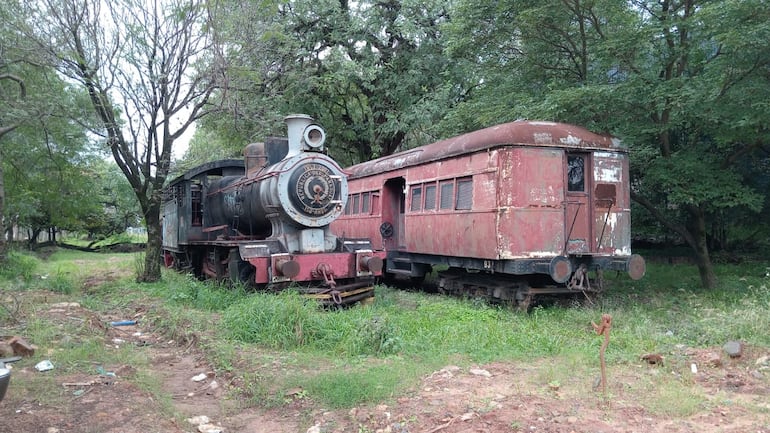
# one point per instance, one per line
(19, 265)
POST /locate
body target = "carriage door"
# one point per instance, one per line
(577, 209)
(393, 208)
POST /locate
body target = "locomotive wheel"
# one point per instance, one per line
(240, 271)
(524, 304)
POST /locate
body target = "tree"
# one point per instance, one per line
(149, 71)
(43, 143)
(366, 70)
(673, 78)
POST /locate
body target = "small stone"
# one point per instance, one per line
(757, 375)
(65, 305)
(572, 419)
(762, 360)
(199, 377)
(198, 420)
(210, 428)
(653, 358)
(314, 429)
(467, 416)
(713, 359)
(479, 372)
(21, 347)
(734, 349)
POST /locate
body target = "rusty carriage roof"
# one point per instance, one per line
(518, 133)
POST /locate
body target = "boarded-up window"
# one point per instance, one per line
(447, 195)
(430, 197)
(375, 203)
(365, 201)
(416, 205)
(464, 194)
(604, 195)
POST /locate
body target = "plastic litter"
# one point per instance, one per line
(44, 365)
(123, 323)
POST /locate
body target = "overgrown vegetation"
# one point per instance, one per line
(370, 353)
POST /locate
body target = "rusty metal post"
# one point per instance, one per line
(603, 328)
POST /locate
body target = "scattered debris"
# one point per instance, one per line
(604, 328)
(653, 358)
(16, 346)
(713, 359)
(694, 368)
(123, 323)
(65, 305)
(467, 416)
(199, 377)
(89, 383)
(44, 365)
(198, 420)
(479, 372)
(210, 428)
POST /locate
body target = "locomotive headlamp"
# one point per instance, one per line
(314, 137)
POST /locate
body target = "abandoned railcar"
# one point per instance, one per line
(509, 212)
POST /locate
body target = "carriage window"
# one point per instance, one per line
(416, 199)
(347, 207)
(575, 173)
(447, 195)
(195, 205)
(356, 201)
(464, 194)
(375, 202)
(365, 200)
(430, 197)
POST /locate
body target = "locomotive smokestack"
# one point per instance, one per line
(255, 158)
(303, 134)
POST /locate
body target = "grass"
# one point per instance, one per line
(366, 354)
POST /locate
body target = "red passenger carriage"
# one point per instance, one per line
(512, 211)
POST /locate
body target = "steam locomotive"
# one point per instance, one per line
(264, 220)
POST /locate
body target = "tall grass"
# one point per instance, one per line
(367, 353)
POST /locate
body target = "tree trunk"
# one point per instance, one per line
(152, 252)
(3, 244)
(700, 245)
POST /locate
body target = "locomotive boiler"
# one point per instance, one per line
(514, 212)
(265, 220)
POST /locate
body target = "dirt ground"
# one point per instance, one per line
(497, 397)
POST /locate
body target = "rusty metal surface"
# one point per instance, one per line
(538, 133)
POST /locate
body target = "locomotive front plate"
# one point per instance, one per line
(314, 190)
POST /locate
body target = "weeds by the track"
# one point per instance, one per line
(369, 353)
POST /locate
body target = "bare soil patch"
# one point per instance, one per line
(496, 397)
